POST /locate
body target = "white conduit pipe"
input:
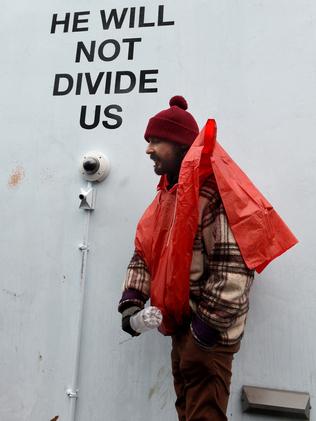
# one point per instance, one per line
(73, 390)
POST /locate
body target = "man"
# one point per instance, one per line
(208, 331)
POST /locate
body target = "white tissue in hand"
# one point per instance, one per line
(152, 317)
(147, 319)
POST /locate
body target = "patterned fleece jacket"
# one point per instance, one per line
(219, 278)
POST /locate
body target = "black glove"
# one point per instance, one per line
(126, 315)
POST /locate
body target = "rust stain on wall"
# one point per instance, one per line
(16, 177)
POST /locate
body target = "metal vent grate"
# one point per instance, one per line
(276, 402)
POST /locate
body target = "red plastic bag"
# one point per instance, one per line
(165, 235)
(166, 231)
(259, 231)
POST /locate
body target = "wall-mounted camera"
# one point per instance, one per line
(94, 166)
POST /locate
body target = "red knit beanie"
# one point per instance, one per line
(173, 124)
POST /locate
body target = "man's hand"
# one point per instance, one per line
(146, 319)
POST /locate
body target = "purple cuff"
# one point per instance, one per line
(204, 333)
(131, 297)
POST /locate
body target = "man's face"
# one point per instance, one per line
(166, 155)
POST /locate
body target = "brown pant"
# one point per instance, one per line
(201, 378)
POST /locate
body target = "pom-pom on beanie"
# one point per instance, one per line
(174, 124)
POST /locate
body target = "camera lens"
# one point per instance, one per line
(91, 165)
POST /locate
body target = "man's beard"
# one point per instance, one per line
(158, 168)
(171, 167)
(158, 165)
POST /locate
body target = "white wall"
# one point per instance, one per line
(249, 64)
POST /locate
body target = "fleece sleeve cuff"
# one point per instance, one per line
(203, 333)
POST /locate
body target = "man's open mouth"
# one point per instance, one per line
(155, 159)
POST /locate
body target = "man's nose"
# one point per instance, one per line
(149, 149)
